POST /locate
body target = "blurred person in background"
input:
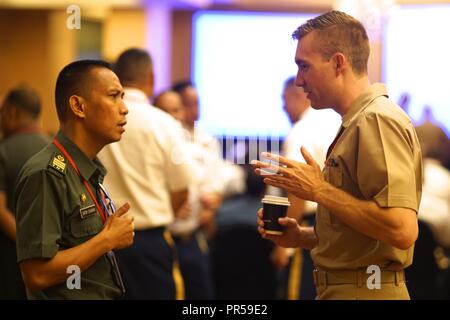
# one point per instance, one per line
(188, 227)
(435, 204)
(19, 121)
(170, 101)
(230, 176)
(431, 134)
(215, 180)
(432, 249)
(145, 168)
(404, 101)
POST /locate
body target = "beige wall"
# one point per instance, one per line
(123, 29)
(61, 50)
(24, 55)
(36, 45)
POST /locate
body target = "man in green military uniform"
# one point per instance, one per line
(66, 229)
(369, 191)
(22, 139)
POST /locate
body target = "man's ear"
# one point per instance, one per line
(10, 112)
(151, 83)
(78, 106)
(10, 118)
(340, 62)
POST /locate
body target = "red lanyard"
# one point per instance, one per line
(86, 184)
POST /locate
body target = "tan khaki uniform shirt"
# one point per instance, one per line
(377, 158)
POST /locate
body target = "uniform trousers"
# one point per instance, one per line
(148, 267)
(195, 266)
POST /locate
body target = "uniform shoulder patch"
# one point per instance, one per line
(58, 163)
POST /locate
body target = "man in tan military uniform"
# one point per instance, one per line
(369, 191)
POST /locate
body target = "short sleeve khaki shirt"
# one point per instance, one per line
(377, 157)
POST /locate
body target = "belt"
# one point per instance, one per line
(148, 231)
(183, 237)
(357, 277)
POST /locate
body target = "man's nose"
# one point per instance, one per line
(299, 81)
(124, 108)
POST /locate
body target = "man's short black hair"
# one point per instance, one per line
(133, 65)
(25, 100)
(181, 85)
(72, 80)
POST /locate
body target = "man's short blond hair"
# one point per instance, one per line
(339, 32)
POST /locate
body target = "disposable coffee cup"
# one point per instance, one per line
(274, 208)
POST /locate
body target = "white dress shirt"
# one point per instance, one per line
(435, 204)
(147, 164)
(211, 174)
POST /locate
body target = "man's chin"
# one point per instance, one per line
(116, 138)
(319, 106)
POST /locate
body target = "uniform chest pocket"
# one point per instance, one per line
(86, 226)
(334, 175)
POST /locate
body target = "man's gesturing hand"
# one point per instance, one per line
(119, 228)
(300, 179)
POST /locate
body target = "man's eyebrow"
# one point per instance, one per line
(115, 89)
(299, 61)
